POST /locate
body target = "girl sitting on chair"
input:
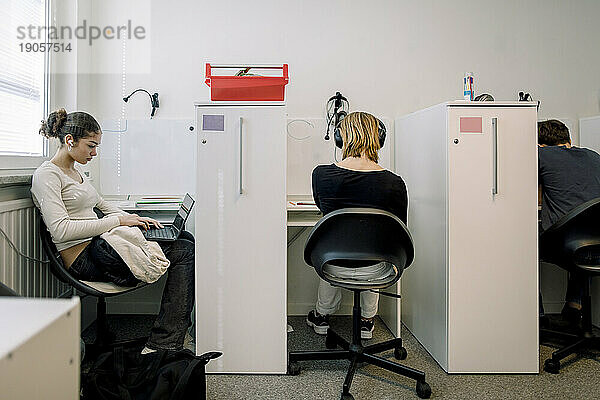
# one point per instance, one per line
(66, 201)
(356, 181)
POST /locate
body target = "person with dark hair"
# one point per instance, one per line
(553, 133)
(67, 200)
(568, 177)
(356, 181)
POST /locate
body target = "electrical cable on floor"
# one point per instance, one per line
(11, 244)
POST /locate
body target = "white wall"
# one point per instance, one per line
(388, 57)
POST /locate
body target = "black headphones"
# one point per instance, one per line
(337, 136)
(484, 97)
(525, 97)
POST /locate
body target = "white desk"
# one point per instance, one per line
(162, 212)
(142, 203)
(301, 213)
(302, 218)
(39, 348)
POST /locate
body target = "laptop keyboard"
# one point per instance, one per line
(162, 233)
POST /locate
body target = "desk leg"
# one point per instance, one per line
(389, 310)
(296, 236)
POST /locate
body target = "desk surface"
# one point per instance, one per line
(302, 211)
(140, 203)
(303, 217)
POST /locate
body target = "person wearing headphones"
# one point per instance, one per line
(568, 177)
(66, 201)
(356, 181)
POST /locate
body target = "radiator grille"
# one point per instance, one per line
(19, 220)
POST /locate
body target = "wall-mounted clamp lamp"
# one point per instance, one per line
(153, 99)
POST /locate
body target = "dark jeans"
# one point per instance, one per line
(99, 262)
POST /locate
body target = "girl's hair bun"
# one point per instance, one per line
(53, 126)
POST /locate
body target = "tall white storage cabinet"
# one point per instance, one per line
(471, 295)
(241, 237)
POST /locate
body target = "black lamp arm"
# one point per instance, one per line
(153, 99)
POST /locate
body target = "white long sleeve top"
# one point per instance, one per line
(67, 207)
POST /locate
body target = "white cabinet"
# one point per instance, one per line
(39, 348)
(241, 237)
(471, 295)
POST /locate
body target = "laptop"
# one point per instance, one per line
(172, 231)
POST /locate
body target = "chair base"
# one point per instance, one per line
(356, 353)
(586, 340)
(105, 338)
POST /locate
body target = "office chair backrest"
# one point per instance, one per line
(56, 264)
(6, 291)
(573, 234)
(358, 237)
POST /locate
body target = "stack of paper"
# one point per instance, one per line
(159, 200)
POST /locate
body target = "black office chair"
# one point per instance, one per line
(573, 243)
(105, 339)
(355, 238)
(6, 291)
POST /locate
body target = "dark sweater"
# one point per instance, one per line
(569, 177)
(335, 187)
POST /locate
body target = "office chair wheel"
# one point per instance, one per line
(330, 342)
(400, 353)
(293, 368)
(347, 396)
(423, 390)
(552, 366)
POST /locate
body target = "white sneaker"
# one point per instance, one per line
(366, 328)
(320, 323)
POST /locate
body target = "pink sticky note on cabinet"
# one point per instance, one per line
(471, 125)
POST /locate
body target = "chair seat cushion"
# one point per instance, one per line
(374, 276)
(108, 287)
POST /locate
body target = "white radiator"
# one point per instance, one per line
(19, 219)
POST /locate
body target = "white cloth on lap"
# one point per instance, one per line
(145, 259)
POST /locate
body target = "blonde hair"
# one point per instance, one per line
(360, 133)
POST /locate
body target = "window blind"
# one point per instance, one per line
(22, 80)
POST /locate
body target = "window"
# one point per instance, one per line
(23, 80)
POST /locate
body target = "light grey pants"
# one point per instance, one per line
(329, 297)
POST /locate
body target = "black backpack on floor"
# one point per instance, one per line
(125, 374)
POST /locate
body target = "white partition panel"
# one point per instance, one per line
(424, 283)
(241, 237)
(308, 148)
(471, 173)
(145, 157)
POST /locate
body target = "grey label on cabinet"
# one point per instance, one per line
(213, 123)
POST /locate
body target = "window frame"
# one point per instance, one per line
(22, 163)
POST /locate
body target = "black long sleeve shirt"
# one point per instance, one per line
(335, 187)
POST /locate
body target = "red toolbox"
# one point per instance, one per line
(246, 87)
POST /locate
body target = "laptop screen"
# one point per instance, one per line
(179, 222)
(183, 213)
(188, 202)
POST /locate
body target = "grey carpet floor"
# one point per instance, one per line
(578, 379)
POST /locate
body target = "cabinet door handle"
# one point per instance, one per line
(495, 155)
(241, 152)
